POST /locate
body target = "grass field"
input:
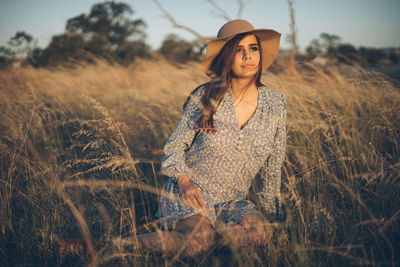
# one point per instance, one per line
(80, 150)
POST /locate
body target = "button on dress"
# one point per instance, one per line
(223, 164)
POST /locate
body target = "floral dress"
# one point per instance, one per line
(224, 164)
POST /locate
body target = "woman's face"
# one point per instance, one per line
(247, 58)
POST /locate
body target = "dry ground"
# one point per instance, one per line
(80, 149)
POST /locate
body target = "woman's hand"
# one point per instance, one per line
(189, 193)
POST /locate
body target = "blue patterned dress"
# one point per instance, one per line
(222, 165)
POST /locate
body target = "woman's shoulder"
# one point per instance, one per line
(200, 90)
(272, 96)
(196, 94)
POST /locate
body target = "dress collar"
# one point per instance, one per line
(231, 106)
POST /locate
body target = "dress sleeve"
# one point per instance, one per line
(269, 184)
(173, 162)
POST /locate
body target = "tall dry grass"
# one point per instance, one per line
(80, 150)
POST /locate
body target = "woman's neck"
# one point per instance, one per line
(240, 86)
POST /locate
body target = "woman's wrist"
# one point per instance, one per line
(183, 178)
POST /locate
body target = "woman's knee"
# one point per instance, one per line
(202, 239)
(198, 231)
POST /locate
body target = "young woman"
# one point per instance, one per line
(231, 132)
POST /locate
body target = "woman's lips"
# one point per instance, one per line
(248, 66)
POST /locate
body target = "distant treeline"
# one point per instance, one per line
(109, 32)
(329, 46)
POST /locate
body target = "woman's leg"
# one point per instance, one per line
(191, 236)
(251, 230)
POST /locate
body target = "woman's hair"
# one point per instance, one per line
(220, 73)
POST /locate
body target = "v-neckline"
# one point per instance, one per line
(235, 121)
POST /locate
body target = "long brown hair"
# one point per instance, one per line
(220, 73)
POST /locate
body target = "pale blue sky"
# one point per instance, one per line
(371, 23)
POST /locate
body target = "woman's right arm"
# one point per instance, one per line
(173, 163)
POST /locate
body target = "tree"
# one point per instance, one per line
(178, 50)
(108, 23)
(347, 53)
(21, 45)
(394, 56)
(6, 52)
(329, 42)
(73, 48)
(372, 55)
(6, 57)
(107, 31)
(314, 47)
(128, 52)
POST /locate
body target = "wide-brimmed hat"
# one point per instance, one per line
(269, 40)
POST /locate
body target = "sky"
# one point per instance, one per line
(369, 23)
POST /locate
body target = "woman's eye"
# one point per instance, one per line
(254, 48)
(239, 50)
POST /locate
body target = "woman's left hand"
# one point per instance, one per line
(189, 193)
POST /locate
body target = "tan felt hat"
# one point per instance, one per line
(269, 40)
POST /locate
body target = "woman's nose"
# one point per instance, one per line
(246, 54)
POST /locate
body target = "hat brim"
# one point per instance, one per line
(269, 40)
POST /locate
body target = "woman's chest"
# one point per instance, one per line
(244, 112)
(259, 121)
(255, 139)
